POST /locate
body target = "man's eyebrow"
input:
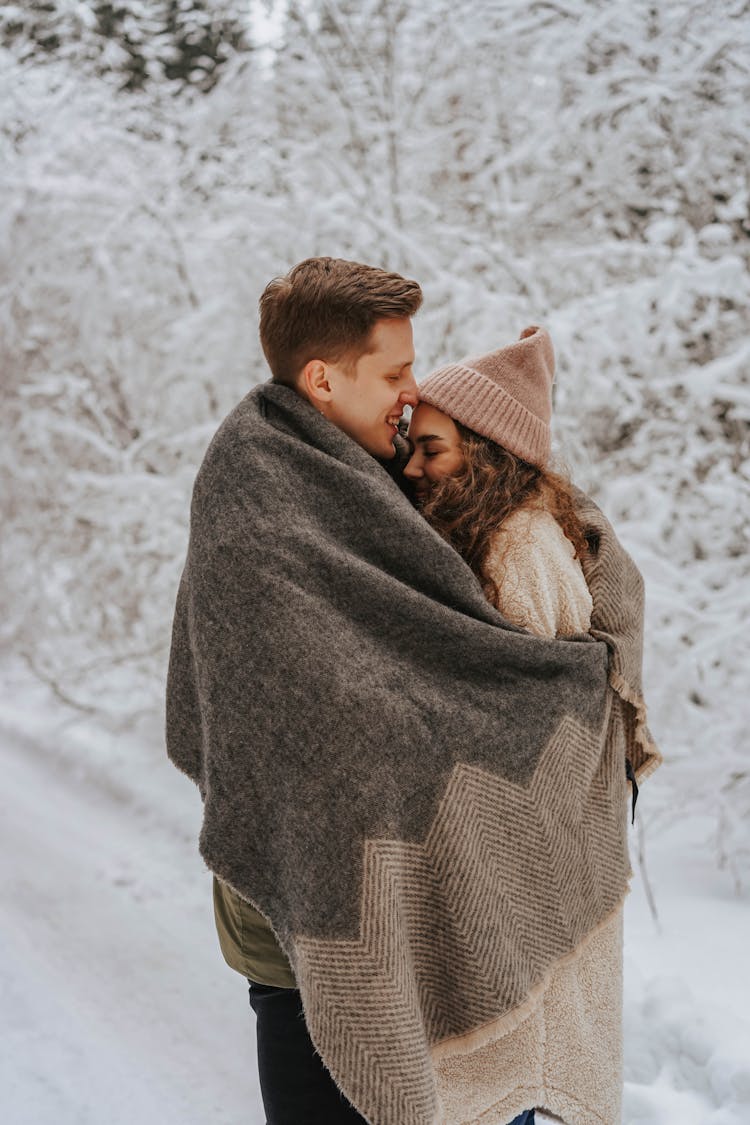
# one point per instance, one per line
(400, 366)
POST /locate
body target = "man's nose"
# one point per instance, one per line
(409, 396)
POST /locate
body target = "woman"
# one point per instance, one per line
(480, 472)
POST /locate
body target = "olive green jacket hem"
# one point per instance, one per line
(247, 941)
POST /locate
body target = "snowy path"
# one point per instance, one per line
(117, 1006)
(687, 990)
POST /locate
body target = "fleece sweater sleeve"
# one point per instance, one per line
(540, 581)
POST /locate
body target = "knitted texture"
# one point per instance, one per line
(540, 582)
(425, 801)
(505, 395)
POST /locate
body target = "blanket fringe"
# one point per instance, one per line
(641, 733)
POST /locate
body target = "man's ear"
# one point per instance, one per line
(315, 384)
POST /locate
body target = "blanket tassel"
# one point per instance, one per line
(631, 777)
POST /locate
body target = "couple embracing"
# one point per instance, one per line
(405, 675)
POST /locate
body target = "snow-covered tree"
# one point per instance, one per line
(580, 165)
(133, 41)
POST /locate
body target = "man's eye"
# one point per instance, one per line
(430, 453)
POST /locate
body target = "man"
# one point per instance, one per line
(356, 716)
(339, 334)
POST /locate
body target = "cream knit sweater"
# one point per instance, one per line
(540, 581)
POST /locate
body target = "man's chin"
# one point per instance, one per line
(383, 452)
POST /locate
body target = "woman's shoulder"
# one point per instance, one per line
(533, 529)
(540, 581)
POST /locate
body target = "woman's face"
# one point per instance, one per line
(438, 450)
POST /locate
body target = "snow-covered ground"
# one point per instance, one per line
(117, 1005)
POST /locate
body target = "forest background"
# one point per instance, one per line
(579, 164)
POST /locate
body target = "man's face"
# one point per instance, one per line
(366, 403)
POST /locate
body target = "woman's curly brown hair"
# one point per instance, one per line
(468, 507)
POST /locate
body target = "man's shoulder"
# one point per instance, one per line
(233, 430)
(249, 407)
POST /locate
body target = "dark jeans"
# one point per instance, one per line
(297, 1088)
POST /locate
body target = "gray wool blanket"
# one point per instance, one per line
(364, 727)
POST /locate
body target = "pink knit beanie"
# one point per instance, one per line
(506, 395)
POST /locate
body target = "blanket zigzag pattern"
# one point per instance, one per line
(451, 939)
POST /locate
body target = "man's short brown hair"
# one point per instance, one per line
(325, 308)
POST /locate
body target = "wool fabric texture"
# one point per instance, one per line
(572, 1036)
(505, 395)
(541, 586)
(424, 801)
